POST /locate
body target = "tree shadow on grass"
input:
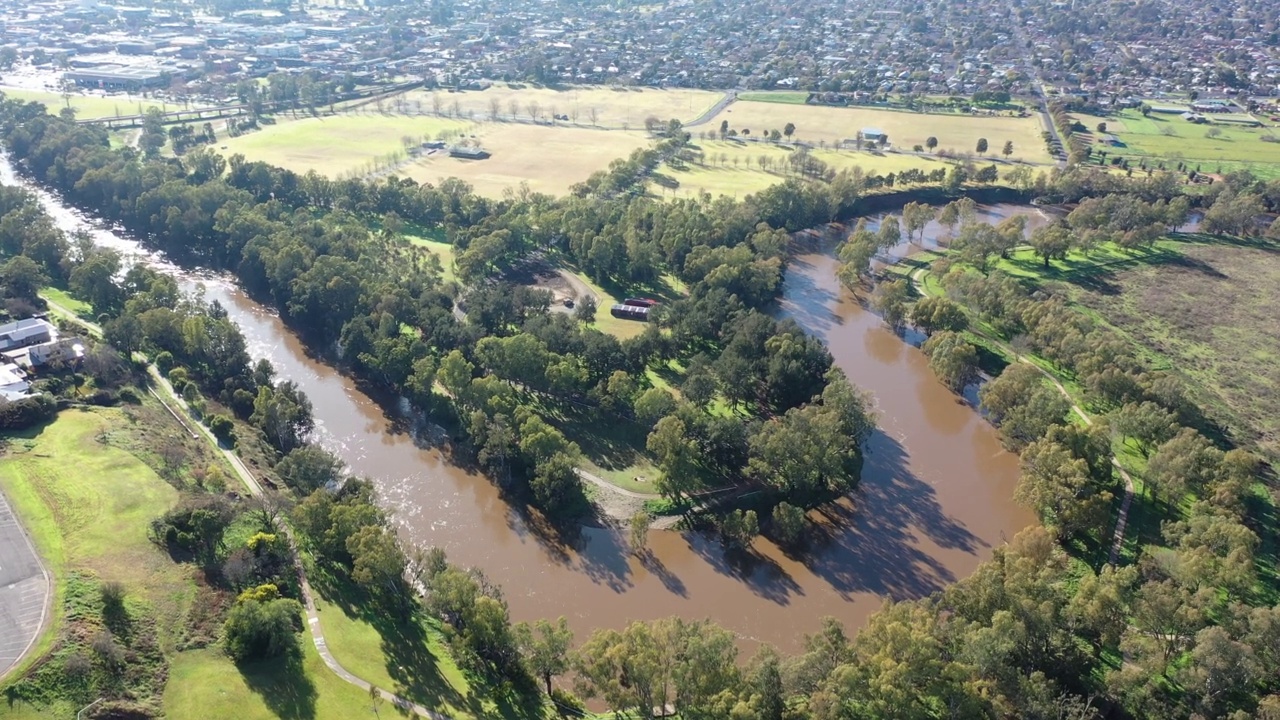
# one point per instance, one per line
(283, 685)
(405, 642)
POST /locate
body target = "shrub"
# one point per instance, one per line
(223, 428)
(27, 412)
(256, 629)
(130, 395)
(164, 361)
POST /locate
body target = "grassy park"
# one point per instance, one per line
(336, 144)
(90, 105)
(87, 503)
(734, 167)
(1167, 137)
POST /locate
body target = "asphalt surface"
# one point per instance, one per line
(24, 590)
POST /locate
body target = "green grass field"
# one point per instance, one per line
(87, 505)
(84, 487)
(442, 250)
(733, 167)
(409, 658)
(206, 684)
(80, 308)
(1170, 138)
(88, 106)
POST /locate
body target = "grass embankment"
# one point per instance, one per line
(87, 503)
(87, 487)
(410, 658)
(1169, 138)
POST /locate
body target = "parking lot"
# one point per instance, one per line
(24, 590)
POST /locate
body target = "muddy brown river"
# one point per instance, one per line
(935, 497)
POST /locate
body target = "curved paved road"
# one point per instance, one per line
(25, 591)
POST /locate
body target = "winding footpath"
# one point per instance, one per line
(255, 489)
(1117, 537)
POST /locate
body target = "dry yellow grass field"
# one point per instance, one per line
(615, 108)
(958, 133)
(549, 159)
(335, 144)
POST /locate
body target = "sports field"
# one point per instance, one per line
(337, 144)
(1169, 137)
(625, 108)
(734, 168)
(955, 133)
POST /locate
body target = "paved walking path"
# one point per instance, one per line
(255, 488)
(1117, 538)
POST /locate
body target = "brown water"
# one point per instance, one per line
(934, 500)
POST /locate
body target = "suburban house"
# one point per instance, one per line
(27, 344)
(25, 333)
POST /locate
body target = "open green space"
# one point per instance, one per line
(88, 106)
(1170, 138)
(408, 657)
(737, 168)
(207, 684)
(62, 298)
(1207, 313)
(440, 249)
(87, 504)
(786, 97)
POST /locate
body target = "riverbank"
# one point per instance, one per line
(926, 496)
(1091, 284)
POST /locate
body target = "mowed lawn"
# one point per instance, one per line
(613, 107)
(1171, 138)
(206, 684)
(1210, 317)
(336, 144)
(957, 133)
(733, 168)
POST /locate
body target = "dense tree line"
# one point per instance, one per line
(303, 244)
(1182, 616)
